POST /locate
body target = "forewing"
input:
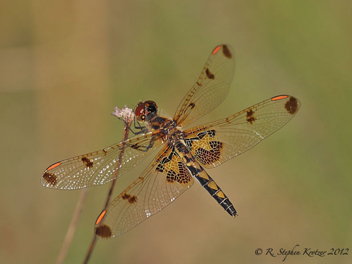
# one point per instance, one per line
(211, 88)
(99, 167)
(216, 142)
(159, 185)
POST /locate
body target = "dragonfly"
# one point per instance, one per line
(184, 154)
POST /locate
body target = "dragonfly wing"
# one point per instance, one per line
(211, 88)
(99, 167)
(159, 185)
(214, 143)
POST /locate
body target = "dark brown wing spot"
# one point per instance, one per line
(209, 74)
(250, 116)
(50, 178)
(226, 52)
(192, 105)
(130, 198)
(87, 162)
(135, 146)
(207, 157)
(103, 231)
(133, 199)
(199, 84)
(105, 152)
(291, 105)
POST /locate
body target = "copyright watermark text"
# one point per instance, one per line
(300, 251)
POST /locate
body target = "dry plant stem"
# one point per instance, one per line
(125, 137)
(72, 228)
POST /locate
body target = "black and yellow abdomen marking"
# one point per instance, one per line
(215, 191)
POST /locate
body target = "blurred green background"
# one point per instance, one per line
(64, 65)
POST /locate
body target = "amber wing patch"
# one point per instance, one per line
(172, 166)
(204, 147)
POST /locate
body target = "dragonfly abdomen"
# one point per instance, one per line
(213, 189)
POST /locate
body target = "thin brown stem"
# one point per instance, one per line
(72, 228)
(118, 163)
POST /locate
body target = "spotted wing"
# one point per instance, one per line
(210, 89)
(159, 185)
(214, 143)
(99, 167)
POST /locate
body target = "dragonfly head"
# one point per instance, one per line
(145, 111)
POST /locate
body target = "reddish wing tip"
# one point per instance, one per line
(100, 217)
(279, 97)
(53, 166)
(216, 49)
